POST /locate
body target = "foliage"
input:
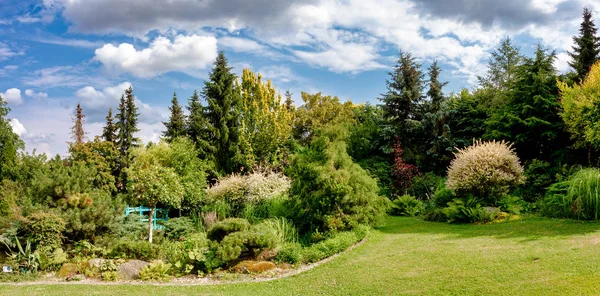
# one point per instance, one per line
(94, 220)
(100, 155)
(25, 257)
(156, 271)
(329, 191)
(109, 131)
(223, 228)
(45, 229)
(127, 249)
(502, 68)
(468, 210)
(51, 259)
(333, 245)
(539, 176)
(425, 185)
(379, 168)
(249, 242)
(178, 228)
(265, 122)
(402, 173)
(510, 204)
(486, 170)
(239, 191)
(318, 112)
(127, 120)
(9, 142)
(284, 231)
(289, 253)
(580, 104)
(406, 205)
(110, 276)
(77, 132)
(584, 193)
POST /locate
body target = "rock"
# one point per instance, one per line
(96, 262)
(490, 209)
(130, 270)
(68, 270)
(267, 255)
(249, 266)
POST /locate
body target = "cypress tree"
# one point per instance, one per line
(586, 50)
(176, 126)
(109, 132)
(77, 132)
(223, 114)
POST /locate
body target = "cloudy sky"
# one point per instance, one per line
(57, 53)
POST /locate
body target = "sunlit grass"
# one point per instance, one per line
(534, 256)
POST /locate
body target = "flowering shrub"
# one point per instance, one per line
(485, 170)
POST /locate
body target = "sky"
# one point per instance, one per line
(55, 54)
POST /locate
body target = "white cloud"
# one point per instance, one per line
(241, 44)
(38, 95)
(278, 73)
(7, 51)
(95, 104)
(562, 62)
(12, 96)
(63, 76)
(17, 127)
(69, 42)
(187, 54)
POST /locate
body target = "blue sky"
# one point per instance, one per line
(57, 53)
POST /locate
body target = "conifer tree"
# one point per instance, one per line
(223, 114)
(176, 126)
(502, 67)
(77, 132)
(197, 128)
(131, 119)
(289, 101)
(109, 132)
(435, 93)
(586, 50)
(127, 127)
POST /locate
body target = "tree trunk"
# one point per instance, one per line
(589, 155)
(151, 221)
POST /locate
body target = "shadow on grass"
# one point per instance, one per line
(529, 228)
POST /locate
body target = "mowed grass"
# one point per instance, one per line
(533, 256)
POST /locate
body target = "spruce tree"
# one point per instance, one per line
(404, 93)
(223, 114)
(435, 94)
(127, 127)
(502, 67)
(109, 132)
(121, 125)
(176, 126)
(586, 50)
(289, 102)
(197, 127)
(77, 132)
(132, 119)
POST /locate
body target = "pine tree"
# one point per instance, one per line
(502, 67)
(223, 114)
(77, 132)
(289, 101)
(586, 50)
(404, 95)
(176, 126)
(109, 132)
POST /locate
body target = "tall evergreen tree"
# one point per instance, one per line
(109, 132)
(197, 128)
(435, 93)
(127, 127)
(176, 126)
(586, 50)
(404, 92)
(223, 114)
(121, 125)
(77, 132)
(531, 119)
(132, 119)
(289, 101)
(502, 67)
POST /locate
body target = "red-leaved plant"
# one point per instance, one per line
(402, 173)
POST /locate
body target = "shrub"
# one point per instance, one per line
(131, 227)
(110, 276)
(403, 173)
(238, 190)
(227, 226)
(98, 216)
(406, 205)
(156, 271)
(330, 192)
(250, 242)
(45, 229)
(379, 168)
(442, 196)
(282, 229)
(424, 186)
(539, 176)
(486, 170)
(468, 210)
(510, 204)
(289, 253)
(142, 250)
(178, 228)
(333, 245)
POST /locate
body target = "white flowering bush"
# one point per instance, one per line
(255, 187)
(486, 170)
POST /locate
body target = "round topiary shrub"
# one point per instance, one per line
(485, 170)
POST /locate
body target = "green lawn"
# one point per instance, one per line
(534, 256)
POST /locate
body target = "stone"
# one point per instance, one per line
(249, 266)
(96, 262)
(130, 270)
(76, 278)
(68, 270)
(267, 255)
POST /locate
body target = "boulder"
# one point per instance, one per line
(96, 262)
(130, 270)
(249, 266)
(68, 270)
(267, 255)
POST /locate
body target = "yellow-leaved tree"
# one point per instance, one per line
(266, 122)
(581, 109)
